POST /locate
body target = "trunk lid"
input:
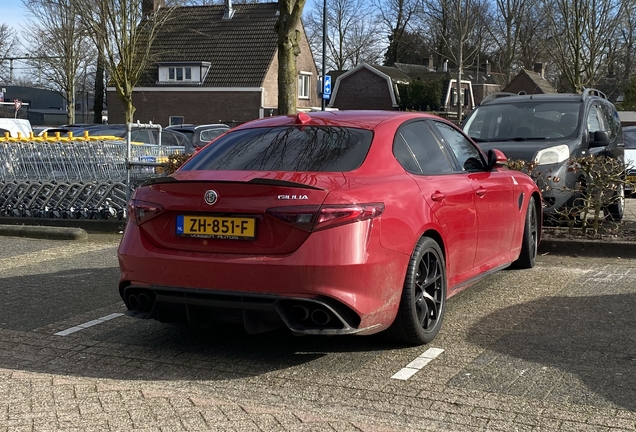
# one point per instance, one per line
(231, 211)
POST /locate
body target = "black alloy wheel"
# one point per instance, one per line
(423, 301)
(530, 243)
(616, 210)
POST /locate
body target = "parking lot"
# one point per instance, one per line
(551, 348)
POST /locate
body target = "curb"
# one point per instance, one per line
(44, 232)
(91, 226)
(588, 248)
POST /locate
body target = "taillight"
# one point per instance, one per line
(142, 211)
(316, 218)
(302, 217)
(330, 216)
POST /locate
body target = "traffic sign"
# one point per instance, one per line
(326, 90)
(17, 104)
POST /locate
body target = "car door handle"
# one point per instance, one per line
(481, 191)
(438, 196)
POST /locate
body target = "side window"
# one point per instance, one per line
(142, 136)
(169, 139)
(594, 120)
(612, 121)
(418, 148)
(468, 156)
(210, 134)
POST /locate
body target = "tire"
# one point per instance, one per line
(616, 210)
(530, 243)
(423, 301)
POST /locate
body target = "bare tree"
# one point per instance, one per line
(505, 27)
(460, 25)
(622, 56)
(532, 30)
(286, 28)
(577, 35)
(60, 45)
(396, 19)
(8, 46)
(352, 38)
(126, 35)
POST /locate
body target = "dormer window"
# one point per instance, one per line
(182, 72)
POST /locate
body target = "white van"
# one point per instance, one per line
(13, 126)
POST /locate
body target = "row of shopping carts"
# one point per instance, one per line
(75, 179)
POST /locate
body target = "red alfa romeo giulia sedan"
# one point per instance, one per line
(330, 223)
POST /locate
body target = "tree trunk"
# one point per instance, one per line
(99, 88)
(288, 50)
(70, 105)
(460, 100)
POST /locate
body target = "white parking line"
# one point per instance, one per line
(411, 369)
(88, 324)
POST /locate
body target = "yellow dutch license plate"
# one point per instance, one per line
(631, 178)
(220, 227)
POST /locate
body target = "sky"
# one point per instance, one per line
(12, 13)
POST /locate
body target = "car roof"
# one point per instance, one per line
(191, 127)
(548, 97)
(363, 119)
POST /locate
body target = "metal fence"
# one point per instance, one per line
(89, 179)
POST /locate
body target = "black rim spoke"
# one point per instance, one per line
(534, 231)
(428, 291)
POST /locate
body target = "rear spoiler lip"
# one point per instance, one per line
(258, 181)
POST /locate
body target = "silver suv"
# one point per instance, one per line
(549, 129)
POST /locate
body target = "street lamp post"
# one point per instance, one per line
(324, 53)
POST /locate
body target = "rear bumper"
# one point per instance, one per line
(328, 286)
(257, 313)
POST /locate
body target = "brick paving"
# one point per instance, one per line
(547, 349)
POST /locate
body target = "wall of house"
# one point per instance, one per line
(198, 107)
(480, 91)
(270, 84)
(523, 82)
(304, 63)
(363, 90)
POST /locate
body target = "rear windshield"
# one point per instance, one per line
(296, 148)
(630, 139)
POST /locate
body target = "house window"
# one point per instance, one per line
(180, 74)
(304, 82)
(175, 120)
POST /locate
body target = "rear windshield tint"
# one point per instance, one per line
(293, 148)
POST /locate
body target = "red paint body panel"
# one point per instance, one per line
(478, 217)
(363, 275)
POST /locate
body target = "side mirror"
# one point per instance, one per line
(496, 159)
(601, 139)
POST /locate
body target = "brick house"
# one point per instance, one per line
(530, 82)
(368, 87)
(377, 87)
(216, 64)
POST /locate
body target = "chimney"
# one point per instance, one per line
(429, 62)
(229, 12)
(148, 7)
(445, 68)
(487, 67)
(538, 68)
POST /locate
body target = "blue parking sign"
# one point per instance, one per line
(326, 90)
